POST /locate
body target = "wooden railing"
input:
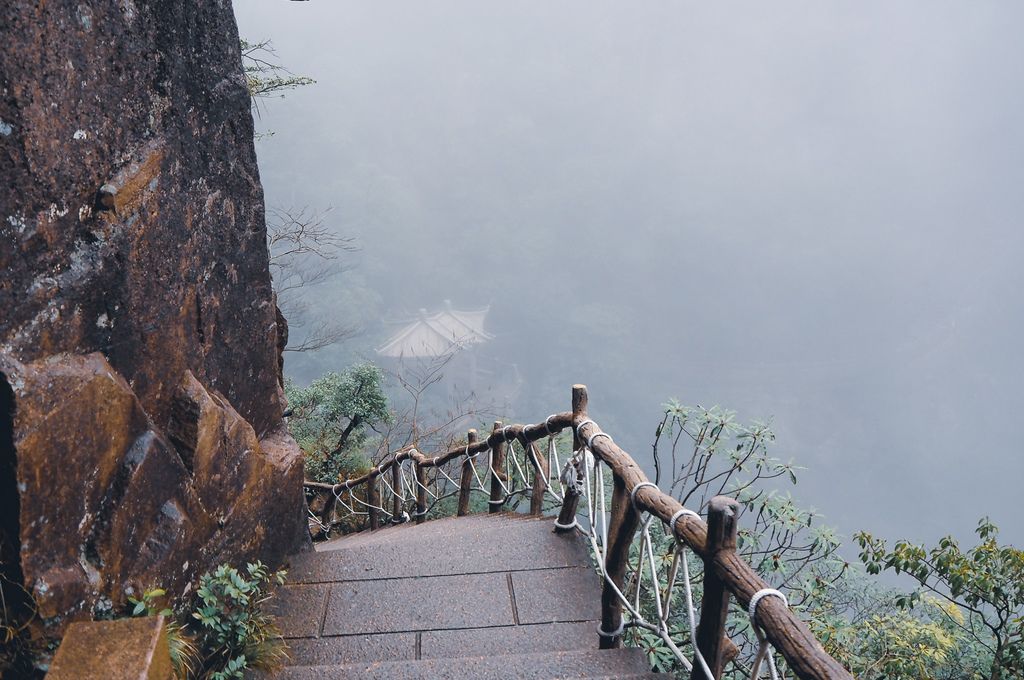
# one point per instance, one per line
(726, 572)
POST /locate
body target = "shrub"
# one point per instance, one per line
(235, 633)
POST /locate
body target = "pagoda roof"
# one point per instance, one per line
(434, 335)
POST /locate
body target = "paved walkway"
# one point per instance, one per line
(483, 596)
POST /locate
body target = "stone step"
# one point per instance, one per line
(435, 527)
(483, 600)
(611, 663)
(459, 547)
(531, 639)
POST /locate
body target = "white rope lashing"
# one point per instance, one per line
(555, 465)
(571, 477)
(519, 468)
(472, 464)
(440, 470)
(763, 647)
(680, 554)
(495, 475)
(391, 489)
(416, 479)
(632, 494)
(367, 504)
(591, 438)
(405, 481)
(538, 469)
(337, 498)
(312, 516)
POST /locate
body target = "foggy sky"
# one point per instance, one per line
(798, 210)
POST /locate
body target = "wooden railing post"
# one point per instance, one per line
(421, 487)
(373, 500)
(396, 484)
(540, 478)
(498, 474)
(621, 526)
(567, 515)
(466, 481)
(723, 513)
(327, 515)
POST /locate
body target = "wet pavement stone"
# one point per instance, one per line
(482, 597)
(557, 595)
(299, 609)
(436, 602)
(551, 637)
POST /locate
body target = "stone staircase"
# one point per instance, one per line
(477, 597)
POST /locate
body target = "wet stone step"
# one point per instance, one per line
(476, 547)
(467, 601)
(612, 663)
(549, 637)
(437, 528)
(557, 595)
(484, 596)
(347, 649)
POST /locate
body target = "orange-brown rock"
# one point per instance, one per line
(128, 649)
(109, 506)
(139, 341)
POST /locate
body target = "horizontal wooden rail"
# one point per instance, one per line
(511, 433)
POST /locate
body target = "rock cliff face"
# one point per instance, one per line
(138, 333)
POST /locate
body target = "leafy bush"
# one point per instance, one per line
(984, 585)
(235, 633)
(229, 631)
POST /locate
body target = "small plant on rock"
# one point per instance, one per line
(184, 653)
(235, 633)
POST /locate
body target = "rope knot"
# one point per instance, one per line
(586, 422)
(675, 518)
(756, 600)
(763, 650)
(632, 493)
(547, 424)
(615, 633)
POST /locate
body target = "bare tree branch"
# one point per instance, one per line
(304, 253)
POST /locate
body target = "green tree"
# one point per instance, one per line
(332, 420)
(985, 582)
(857, 621)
